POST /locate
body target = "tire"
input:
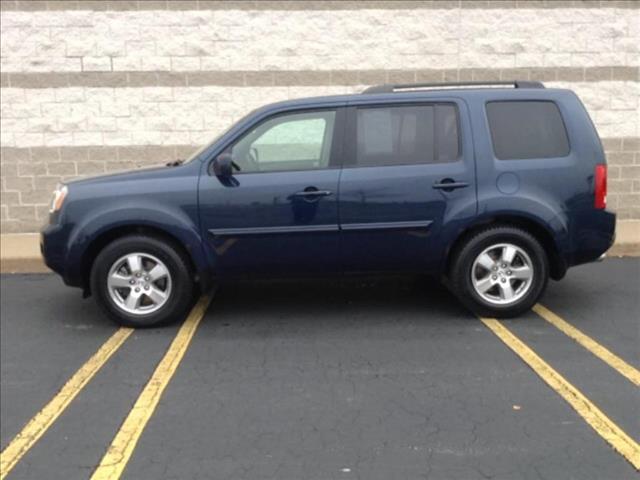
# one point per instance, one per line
(141, 281)
(491, 285)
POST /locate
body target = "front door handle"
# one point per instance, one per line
(449, 185)
(313, 193)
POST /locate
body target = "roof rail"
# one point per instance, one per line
(391, 88)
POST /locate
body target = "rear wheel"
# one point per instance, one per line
(501, 271)
(141, 281)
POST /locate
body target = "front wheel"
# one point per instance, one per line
(141, 281)
(501, 272)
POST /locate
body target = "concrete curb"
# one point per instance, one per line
(627, 239)
(20, 253)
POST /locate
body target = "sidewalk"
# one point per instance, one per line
(20, 253)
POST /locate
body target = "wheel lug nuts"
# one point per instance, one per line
(137, 289)
(132, 282)
(138, 274)
(147, 278)
(508, 272)
(494, 277)
(504, 265)
(503, 280)
(146, 287)
(495, 268)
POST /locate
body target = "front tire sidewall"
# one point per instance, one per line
(463, 283)
(181, 295)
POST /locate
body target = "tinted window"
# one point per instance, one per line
(528, 129)
(407, 135)
(298, 141)
(447, 138)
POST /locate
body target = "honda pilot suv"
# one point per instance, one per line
(494, 188)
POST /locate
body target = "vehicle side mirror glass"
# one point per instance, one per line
(223, 165)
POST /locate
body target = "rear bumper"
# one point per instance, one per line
(592, 240)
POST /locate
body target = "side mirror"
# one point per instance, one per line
(223, 165)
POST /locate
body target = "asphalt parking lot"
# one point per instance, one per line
(359, 378)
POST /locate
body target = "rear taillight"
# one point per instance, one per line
(600, 178)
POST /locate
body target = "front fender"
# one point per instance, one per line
(172, 221)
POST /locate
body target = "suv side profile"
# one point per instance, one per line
(492, 189)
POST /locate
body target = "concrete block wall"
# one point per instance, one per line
(89, 87)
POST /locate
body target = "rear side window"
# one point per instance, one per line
(527, 129)
(406, 135)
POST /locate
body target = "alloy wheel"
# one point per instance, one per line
(139, 283)
(502, 274)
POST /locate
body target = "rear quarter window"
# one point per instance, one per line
(527, 129)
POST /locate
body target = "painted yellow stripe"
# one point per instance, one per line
(590, 344)
(602, 424)
(39, 424)
(115, 460)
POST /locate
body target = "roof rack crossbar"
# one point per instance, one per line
(391, 88)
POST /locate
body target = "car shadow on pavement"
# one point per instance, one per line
(326, 303)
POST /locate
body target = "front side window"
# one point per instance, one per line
(527, 129)
(406, 135)
(297, 141)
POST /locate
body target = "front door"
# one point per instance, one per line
(278, 213)
(406, 173)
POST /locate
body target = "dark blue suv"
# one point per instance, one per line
(494, 188)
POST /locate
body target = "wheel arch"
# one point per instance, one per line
(557, 264)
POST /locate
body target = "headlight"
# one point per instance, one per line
(59, 194)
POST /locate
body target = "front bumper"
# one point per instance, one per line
(53, 247)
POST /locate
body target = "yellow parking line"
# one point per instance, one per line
(39, 424)
(115, 460)
(602, 424)
(590, 344)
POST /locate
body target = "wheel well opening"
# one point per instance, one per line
(107, 237)
(557, 267)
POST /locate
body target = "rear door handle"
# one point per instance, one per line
(449, 185)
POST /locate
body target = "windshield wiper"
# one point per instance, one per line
(175, 163)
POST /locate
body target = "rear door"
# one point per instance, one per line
(407, 171)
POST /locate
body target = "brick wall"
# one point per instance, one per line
(91, 87)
